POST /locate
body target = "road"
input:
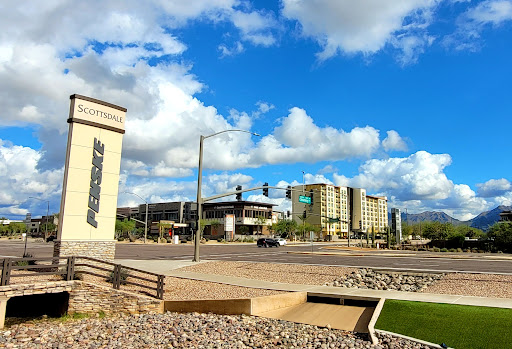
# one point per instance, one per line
(296, 254)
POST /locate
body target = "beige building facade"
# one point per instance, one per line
(337, 210)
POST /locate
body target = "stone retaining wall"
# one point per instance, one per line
(91, 298)
(85, 297)
(104, 250)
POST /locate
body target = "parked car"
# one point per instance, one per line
(281, 241)
(267, 242)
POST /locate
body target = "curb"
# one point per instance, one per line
(373, 321)
(419, 341)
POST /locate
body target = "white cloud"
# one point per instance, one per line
(417, 177)
(255, 27)
(493, 11)
(394, 142)
(21, 179)
(494, 187)
(225, 51)
(419, 183)
(471, 23)
(361, 26)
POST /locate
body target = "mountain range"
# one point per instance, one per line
(483, 221)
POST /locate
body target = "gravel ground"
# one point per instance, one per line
(478, 285)
(182, 289)
(287, 273)
(193, 330)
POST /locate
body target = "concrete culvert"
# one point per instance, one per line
(50, 304)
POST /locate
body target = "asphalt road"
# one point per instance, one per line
(295, 254)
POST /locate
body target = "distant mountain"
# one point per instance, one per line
(485, 219)
(429, 216)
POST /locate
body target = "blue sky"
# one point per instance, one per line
(410, 100)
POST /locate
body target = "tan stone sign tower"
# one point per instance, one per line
(91, 179)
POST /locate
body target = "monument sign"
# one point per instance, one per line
(91, 179)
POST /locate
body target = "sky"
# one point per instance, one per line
(409, 99)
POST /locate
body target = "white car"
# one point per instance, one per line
(281, 241)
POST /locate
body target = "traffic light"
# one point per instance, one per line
(289, 192)
(288, 213)
(238, 195)
(265, 190)
(311, 196)
(304, 214)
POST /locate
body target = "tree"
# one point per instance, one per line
(47, 228)
(285, 227)
(124, 227)
(407, 230)
(260, 222)
(16, 228)
(501, 233)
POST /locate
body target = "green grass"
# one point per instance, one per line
(74, 316)
(458, 326)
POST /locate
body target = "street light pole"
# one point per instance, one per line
(145, 218)
(197, 239)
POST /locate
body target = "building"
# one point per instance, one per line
(180, 215)
(396, 224)
(339, 210)
(251, 218)
(506, 216)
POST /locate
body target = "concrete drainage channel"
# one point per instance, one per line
(350, 314)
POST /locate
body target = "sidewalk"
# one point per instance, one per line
(171, 268)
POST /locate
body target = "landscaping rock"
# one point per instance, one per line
(370, 279)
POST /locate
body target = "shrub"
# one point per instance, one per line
(436, 249)
(120, 238)
(124, 275)
(452, 250)
(459, 249)
(444, 250)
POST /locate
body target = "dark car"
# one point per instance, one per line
(267, 242)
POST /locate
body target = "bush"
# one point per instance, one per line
(436, 249)
(453, 250)
(124, 275)
(459, 249)
(444, 250)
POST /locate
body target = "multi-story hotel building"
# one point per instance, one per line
(339, 210)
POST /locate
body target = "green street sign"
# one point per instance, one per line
(305, 199)
(334, 220)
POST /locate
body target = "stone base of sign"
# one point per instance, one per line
(104, 250)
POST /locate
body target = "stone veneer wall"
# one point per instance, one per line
(89, 298)
(105, 250)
